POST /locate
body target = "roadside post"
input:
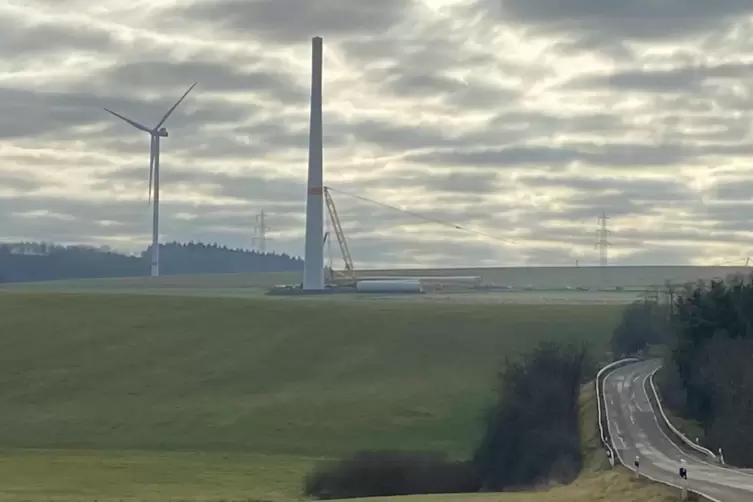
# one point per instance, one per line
(637, 464)
(684, 477)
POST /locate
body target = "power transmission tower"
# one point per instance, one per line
(602, 243)
(260, 229)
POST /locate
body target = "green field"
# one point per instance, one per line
(157, 398)
(597, 483)
(251, 286)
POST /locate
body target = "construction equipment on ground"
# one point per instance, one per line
(348, 274)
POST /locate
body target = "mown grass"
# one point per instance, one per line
(162, 398)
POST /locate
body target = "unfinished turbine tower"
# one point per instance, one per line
(313, 261)
(155, 133)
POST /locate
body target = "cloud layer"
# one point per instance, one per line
(515, 122)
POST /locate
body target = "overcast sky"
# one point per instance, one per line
(519, 120)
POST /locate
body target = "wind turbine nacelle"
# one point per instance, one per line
(162, 132)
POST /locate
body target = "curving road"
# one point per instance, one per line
(635, 430)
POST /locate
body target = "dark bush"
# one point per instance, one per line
(533, 433)
(387, 473)
(641, 325)
(532, 437)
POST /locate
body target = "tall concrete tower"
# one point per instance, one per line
(313, 266)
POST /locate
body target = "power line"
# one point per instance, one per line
(454, 226)
(738, 261)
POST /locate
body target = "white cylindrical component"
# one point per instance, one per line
(471, 280)
(313, 264)
(389, 286)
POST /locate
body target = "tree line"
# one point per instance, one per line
(707, 332)
(39, 261)
(531, 437)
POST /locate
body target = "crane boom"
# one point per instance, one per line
(339, 234)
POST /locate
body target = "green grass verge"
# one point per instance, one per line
(144, 398)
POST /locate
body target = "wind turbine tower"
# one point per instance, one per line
(155, 133)
(313, 261)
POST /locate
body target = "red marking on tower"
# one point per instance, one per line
(315, 191)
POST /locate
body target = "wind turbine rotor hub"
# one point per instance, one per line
(162, 132)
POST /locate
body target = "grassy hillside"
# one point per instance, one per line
(597, 483)
(117, 394)
(220, 284)
(250, 286)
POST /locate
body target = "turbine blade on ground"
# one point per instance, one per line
(172, 109)
(132, 122)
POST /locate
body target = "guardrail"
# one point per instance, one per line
(605, 440)
(700, 449)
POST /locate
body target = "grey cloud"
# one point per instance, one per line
(610, 155)
(392, 249)
(417, 63)
(739, 190)
(462, 182)
(615, 19)
(728, 216)
(212, 76)
(247, 187)
(397, 137)
(285, 132)
(585, 236)
(506, 128)
(588, 208)
(606, 48)
(543, 125)
(681, 79)
(633, 189)
(467, 187)
(684, 80)
(551, 257)
(454, 92)
(18, 182)
(29, 112)
(499, 157)
(361, 219)
(19, 39)
(670, 237)
(449, 189)
(297, 21)
(658, 256)
(425, 47)
(99, 221)
(720, 129)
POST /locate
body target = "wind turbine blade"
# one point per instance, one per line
(171, 110)
(151, 165)
(132, 122)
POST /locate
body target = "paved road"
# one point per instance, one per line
(635, 431)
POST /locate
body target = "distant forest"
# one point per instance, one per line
(38, 261)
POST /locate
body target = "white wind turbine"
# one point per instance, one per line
(155, 134)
